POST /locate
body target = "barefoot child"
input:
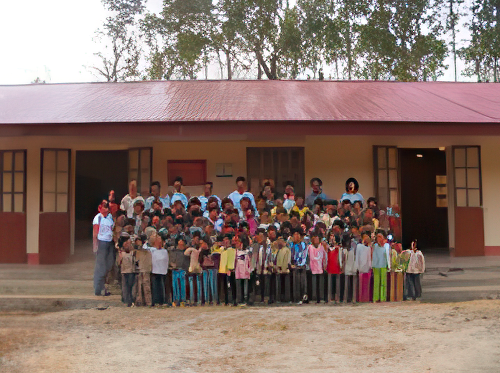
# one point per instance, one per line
(363, 265)
(416, 266)
(380, 264)
(159, 257)
(127, 267)
(317, 261)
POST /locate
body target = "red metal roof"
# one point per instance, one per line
(185, 101)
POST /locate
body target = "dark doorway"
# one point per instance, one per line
(422, 219)
(97, 172)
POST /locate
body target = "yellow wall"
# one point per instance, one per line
(213, 152)
(331, 158)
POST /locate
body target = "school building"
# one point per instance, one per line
(429, 150)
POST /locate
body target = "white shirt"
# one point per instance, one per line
(363, 260)
(416, 263)
(127, 204)
(159, 259)
(106, 225)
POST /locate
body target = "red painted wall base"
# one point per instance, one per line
(33, 259)
(492, 251)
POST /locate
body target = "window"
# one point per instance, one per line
(193, 172)
(140, 163)
(386, 175)
(467, 173)
(55, 180)
(13, 181)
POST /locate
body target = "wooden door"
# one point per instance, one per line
(282, 165)
(54, 233)
(469, 218)
(13, 206)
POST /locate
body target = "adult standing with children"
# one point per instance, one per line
(103, 247)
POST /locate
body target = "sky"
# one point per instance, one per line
(53, 40)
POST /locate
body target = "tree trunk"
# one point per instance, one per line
(495, 65)
(259, 71)
(228, 62)
(453, 38)
(349, 52)
(264, 66)
(274, 67)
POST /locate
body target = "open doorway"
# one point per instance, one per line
(424, 214)
(97, 172)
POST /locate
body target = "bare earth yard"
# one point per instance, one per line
(398, 337)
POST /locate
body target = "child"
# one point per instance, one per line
(248, 214)
(350, 268)
(330, 214)
(159, 257)
(317, 261)
(300, 207)
(260, 251)
(208, 267)
(271, 262)
(416, 266)
(242, 265)
(299, 258)
(138, 215)
(226, 270)
(194, 270)
(396, 273)
(283, 262)
(127, 267)
(178, 264)
(144, 260)
(215, 254)
(363, 264)
(380, 264)
(289, 198)
(333, 269)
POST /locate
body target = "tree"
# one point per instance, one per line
(349, 17)
(452, 20)
(121, 55)
(401, 40)
(290, 45)
(320, 41)
(178, 39)
(226, 38)
(482, 53)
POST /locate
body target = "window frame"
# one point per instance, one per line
(69, 180)
(13, 172)
(377, 168)
(138, 178)
(466, 168)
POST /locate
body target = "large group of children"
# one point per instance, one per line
(176, 250)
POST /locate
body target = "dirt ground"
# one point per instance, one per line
(397, 337)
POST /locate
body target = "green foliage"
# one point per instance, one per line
(402, 41)
(178, 38)
(364, 39)
(482, 54)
